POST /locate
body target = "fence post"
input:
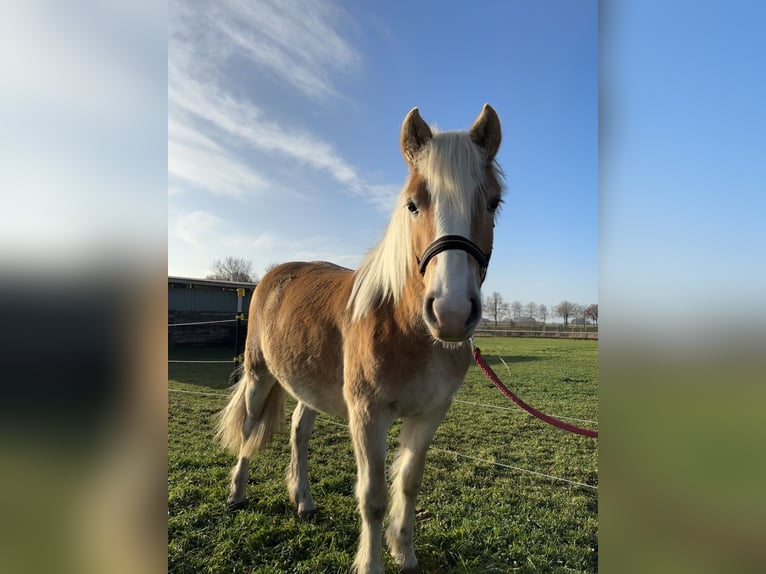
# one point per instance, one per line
(239, 316)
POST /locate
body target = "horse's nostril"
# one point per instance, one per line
(475, 316)
(429, 309)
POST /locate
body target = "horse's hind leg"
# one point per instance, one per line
(261, 404)
(297, 474)
(407, 474)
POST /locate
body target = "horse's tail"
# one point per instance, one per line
(255, 412)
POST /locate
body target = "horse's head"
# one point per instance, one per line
(452, 194)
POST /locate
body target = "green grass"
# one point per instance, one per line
(473, 516)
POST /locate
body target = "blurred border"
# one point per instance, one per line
(681, 287)
(83, 259)
(83, 264)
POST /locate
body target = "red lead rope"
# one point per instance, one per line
(490, 374)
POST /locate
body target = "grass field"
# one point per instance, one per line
(481, 509)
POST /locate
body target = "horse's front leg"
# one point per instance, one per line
(369, 429)
(298, 474)
(407, 472)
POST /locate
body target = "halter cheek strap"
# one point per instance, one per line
(455, 242)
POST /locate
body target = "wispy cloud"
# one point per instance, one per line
(224, 141)
(198, 160)
(296, 41)
(381, 196)
(245, 122)
(196, 227)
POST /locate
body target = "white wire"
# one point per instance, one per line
(488, 461)
(513, 409)
(507, 368)
(328, 421)
(516, 468)
(198, 393)
(201, 323)
(518, 410)
(178, 361)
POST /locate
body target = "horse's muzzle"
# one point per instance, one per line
(451, 321)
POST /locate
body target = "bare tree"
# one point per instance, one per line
(233, 269)
(530, 310)
(495, 307)
(516, 311)
(542, 313)
(579, 313)
(271, 266)
(591, 312)
(565, 310)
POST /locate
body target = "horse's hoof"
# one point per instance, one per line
(307, 514)
(236, 505)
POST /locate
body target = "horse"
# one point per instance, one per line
(388, 341)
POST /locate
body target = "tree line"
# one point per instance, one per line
(498, 310)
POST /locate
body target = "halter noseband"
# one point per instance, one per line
(451, 242)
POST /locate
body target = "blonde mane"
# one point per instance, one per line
(454, 168)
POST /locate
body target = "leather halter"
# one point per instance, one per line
(456, 242)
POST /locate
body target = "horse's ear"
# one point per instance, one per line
(415, 134)
(485, 131)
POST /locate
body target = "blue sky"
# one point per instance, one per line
(683, 166)
(284, 118)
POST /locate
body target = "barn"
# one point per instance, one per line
(192, 300)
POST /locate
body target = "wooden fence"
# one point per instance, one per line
(548, 332)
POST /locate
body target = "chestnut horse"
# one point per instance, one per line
(386, 341)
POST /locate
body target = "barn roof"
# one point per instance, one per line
(191, 282)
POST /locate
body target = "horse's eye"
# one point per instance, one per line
(412, 207)
(493, 204)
